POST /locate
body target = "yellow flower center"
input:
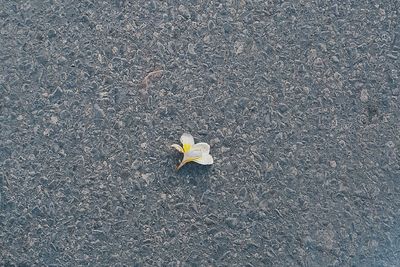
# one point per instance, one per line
(186, 147)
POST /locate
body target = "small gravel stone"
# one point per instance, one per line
(231, 222)
(332, 163)
(364, 96)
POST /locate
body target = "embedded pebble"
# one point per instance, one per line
(364, 95)
(332, 163)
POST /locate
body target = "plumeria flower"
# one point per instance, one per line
(199, 153)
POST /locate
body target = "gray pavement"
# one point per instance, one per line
(299, 101)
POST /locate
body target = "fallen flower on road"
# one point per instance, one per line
(199, 153)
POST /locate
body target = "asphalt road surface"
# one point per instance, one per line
(299, 101)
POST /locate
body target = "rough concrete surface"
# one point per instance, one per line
(299, 101)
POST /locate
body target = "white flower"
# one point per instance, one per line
(199, 153)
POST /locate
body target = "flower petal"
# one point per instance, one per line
(177, 147)
(192, 155)
(187, 139)
(206, 159)
(203, 147)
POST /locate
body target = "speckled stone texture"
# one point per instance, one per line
(299, 101)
